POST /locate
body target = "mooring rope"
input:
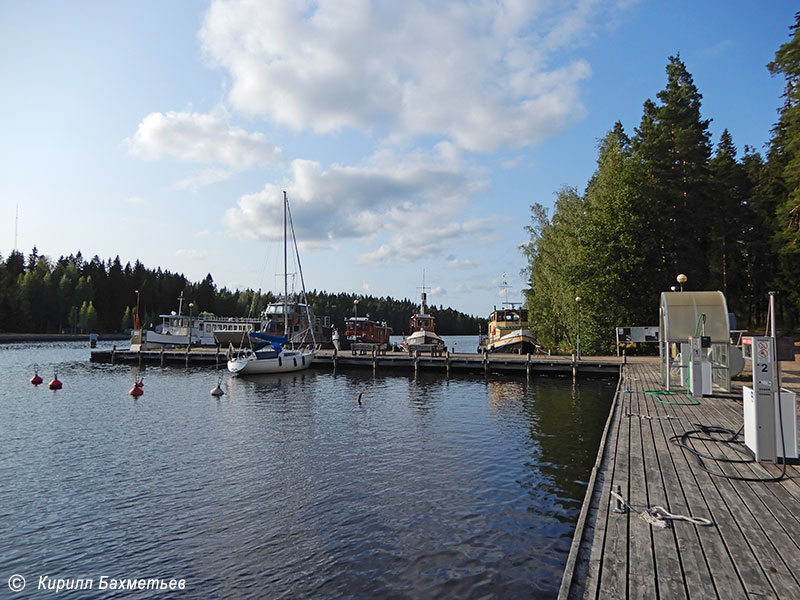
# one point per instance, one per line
(657, 516)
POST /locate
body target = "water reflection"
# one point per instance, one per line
(288, 487)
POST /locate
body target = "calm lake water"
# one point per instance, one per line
(286, 487)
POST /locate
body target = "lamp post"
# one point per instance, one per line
(356, 328)
(136, 324)
(681, 279)
(578, 335)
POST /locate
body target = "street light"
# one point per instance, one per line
(681, 279)
(136, 324)
(355, 324)
(578, 336)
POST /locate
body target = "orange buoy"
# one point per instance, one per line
(55, 384)
(36, 380)
(136, 390)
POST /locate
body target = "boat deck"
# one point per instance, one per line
(752, 549)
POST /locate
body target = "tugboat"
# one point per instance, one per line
(509, 332)
(422, 331)
(365, 330)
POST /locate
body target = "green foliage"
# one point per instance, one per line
(784, 170)
(658, 205)
(39, 295)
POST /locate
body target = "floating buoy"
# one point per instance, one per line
(136, 390)
(36, 380)
(218, 391)
(139, 383)
(55, 384)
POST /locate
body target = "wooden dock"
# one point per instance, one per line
(752, 547)
(397, 362)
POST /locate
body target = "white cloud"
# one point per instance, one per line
(484, 75)
(203, 178)
(411, 203)
(193, 254)
(456, 263)
(203, 138)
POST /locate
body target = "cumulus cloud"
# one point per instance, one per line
(484, 75)
(412, 204)
(202, 138)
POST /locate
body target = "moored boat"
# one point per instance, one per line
(422, 331)
(205, 329)
(365, 330)
(509, 332)
(269, 353)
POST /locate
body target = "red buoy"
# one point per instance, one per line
(55, 384)
(36, 380)
(139, 384)
(136, 390)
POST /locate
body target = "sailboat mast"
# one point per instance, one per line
(285, 274)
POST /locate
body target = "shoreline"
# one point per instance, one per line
(15, 338)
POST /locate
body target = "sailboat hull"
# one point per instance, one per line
(286, 362)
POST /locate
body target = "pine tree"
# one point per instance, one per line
(784, 163)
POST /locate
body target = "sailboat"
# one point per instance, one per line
(269, 353)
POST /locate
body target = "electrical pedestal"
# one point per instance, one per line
(770, 414)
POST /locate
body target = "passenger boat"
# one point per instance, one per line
(269, 353)
(422, 330)
(205, 329)
(509, 332)
(365, 330)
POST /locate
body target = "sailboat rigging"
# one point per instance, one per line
(269, 353)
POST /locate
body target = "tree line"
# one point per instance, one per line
(663, 202)
(42, 295)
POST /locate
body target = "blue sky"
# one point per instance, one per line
(410, 136)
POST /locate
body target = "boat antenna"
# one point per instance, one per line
(302, 281)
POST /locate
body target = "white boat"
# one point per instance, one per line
(205, 329)
(269, 353)
(422, 328)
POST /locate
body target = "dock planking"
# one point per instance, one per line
(539, 364)
(753, 546)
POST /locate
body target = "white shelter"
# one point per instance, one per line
(694, 314)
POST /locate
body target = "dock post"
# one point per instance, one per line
(574, 368)
(335, 356)
(447, 362)
(485, 363)
(624, 358)
(528, 366)
(416, 361)
(188, 348)
(374, 359)
(162, 355)
(139, 356)
(113, 351)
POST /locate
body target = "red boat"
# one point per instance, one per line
(363, 330)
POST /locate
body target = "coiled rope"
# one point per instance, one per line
(657, 516)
